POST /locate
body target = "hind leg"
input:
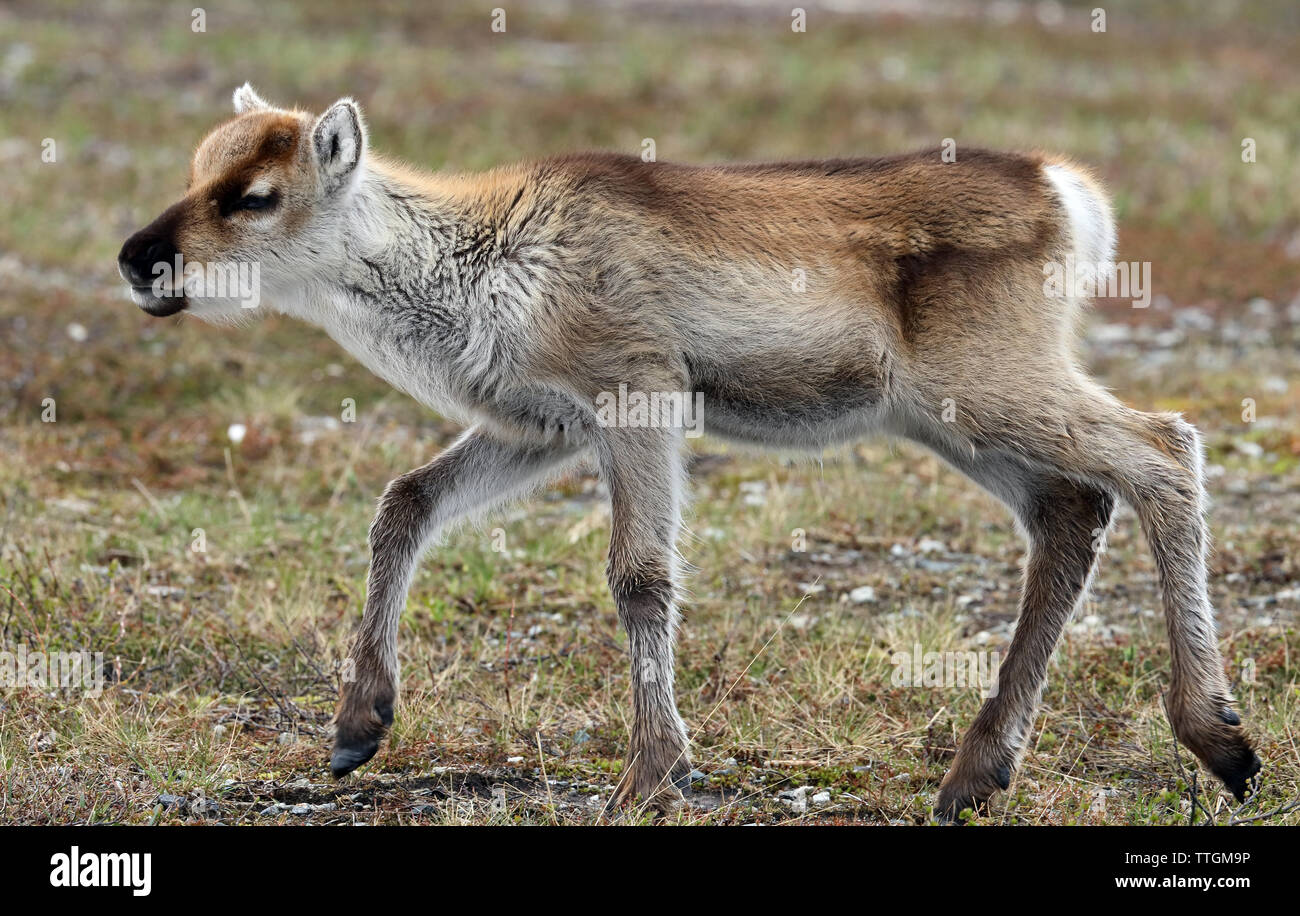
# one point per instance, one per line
(1162, 479)
(1153, 462)
(1065, 523)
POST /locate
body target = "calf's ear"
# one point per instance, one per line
(246, 99)
(338, 143)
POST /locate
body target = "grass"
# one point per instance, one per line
(223, 663)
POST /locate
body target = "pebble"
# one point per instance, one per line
(310, 809)
(797, 799)
(206, 807)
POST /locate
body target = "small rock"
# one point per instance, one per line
(73, 505)
(1112, 333)
(304, 808)
(936, 566)
(206, 807)
(797, 799)
(1194, 318)
(863, 594)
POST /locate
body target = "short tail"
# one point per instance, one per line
(1088, 217)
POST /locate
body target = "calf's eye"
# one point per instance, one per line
(257, 201)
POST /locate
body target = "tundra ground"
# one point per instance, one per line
(220, 575)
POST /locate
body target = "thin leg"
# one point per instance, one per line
(1065, 523)
(644, 472)
(476, 473)
(1165, 486)
(1153, 462)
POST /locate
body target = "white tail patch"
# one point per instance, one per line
(1087, 210)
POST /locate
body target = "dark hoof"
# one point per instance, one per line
(970, 794)
(684, 777)
(1239, 772)
(354, 746)
(347, 758)
(949, 808)
(1003, 777)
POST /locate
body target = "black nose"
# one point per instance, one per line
(141, 254)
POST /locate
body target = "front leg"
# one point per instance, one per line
(476, 473)
(644, 472)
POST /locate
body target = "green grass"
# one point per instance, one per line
(225, 663)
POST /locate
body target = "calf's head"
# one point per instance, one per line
(264, 200)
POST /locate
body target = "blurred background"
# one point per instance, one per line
(165, 433)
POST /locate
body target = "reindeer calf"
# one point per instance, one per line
(516, 298)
